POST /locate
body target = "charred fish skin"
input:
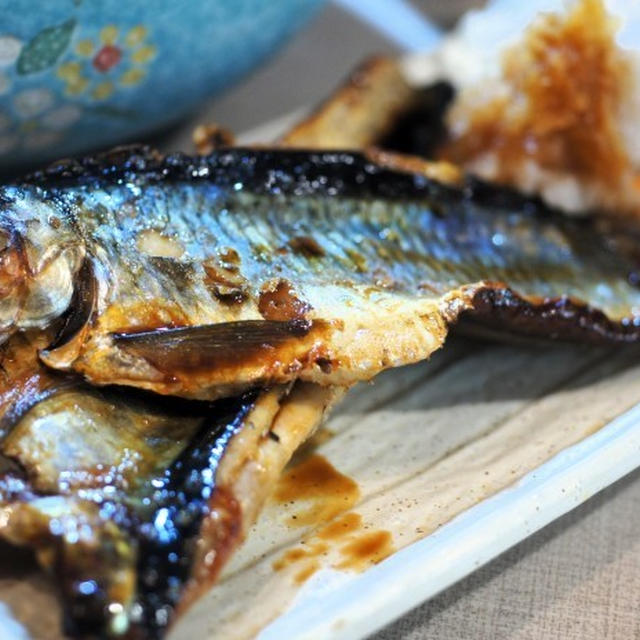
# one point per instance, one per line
(122, 558)
(203, 277)
(133, 501)
(114, 492)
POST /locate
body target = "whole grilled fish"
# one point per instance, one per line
(134, 502)
(203, 277)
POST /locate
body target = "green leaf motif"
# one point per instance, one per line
(45, 48)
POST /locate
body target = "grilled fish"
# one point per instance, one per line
(210, 277)
(135, 502)
(205, 277)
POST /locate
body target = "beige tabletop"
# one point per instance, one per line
(577, 578)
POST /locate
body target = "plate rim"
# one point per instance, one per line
(348, 610)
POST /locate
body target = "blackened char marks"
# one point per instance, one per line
(278, 172)
(501, 310)
(272, 171)
(183, 499)
(421, 129)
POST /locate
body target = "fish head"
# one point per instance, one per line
(12, 276)
(40, 259)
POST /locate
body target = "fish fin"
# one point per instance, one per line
(189, 348)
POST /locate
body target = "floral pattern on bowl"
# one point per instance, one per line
(80, 74)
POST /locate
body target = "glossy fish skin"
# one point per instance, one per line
(203, 277)
(112, 493)
(24, 381)
(134, 502)
(118, 493)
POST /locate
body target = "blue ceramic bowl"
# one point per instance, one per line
(81, 74)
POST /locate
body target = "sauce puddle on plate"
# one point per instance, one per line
(319, 495)
(315, 491)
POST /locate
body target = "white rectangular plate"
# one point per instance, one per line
(339, 609)
(456, 460)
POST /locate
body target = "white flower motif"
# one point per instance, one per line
(61, 117)
(10, 48)
(35, 120)
(32, 102)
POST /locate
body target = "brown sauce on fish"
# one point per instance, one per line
(155, 313)
(279, 302)
(225, 282)
(23, 381)
(306, 246)
(222, 530)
